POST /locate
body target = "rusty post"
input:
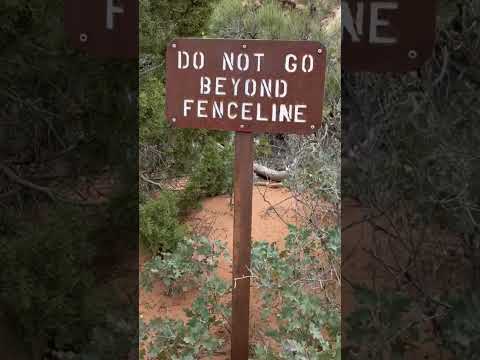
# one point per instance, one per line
(242, 229)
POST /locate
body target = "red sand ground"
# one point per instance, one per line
(215, 219)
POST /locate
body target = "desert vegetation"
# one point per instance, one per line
(410, 236)
(67, 154)
(181, 169)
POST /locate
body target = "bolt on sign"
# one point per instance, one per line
(246, 85)
(103, 28)
(383, 36)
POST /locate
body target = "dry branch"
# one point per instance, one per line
(269, 174)
(270, 185)
(147, 180)
(25, 183)
(47, 191)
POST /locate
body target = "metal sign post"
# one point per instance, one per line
(242, 229)
(245, 86)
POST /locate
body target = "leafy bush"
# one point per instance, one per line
(334, 241)
(193, 260)
(304, 335)
(168, 152)
(287, 280)
(160, 20)
(378, 324)
(43, 268)
(153, 126)
(173, 339)
(193, 263)
(315, 169)
(211, 175)
(160, 230)
(401, 160)
(461, 326)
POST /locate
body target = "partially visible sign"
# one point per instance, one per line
(104, 28)
(246, 85)
(383, 36)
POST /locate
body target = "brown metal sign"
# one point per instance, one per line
(103, 28)
(246, 85)
(383, 36)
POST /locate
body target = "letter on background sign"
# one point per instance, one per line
(102, 28)
(111, 10)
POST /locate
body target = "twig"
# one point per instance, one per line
(9, 193)
(26, 183)
(271, 207)
(45, 190)
(147, 180)
(282, 201)
(242, 278)
(269, 184)
(444, 68)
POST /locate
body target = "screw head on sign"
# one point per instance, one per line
(174, 119)
(244, 46)
(412, 54)
(320, 51)
(242, 126)
(83, 37)
(174, 46)
(312, 127)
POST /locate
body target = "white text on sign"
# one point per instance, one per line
(353, 21)
(223, 86)
(112, 9)
(243, 62)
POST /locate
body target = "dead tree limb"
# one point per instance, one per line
(147, 180)
(269, 174)
(25, 183)
(47, 191)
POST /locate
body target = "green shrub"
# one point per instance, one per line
(174, 152)
(235, 19)
(377, 325)
(186, 267)
(174, 339)
(287, 281)
(211, 175)
(44, 267)
(461, 326)
(410, 153)
(263, 148)
(160, 230)
(153, 126)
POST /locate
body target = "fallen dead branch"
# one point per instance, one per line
(147, 180)
(269, 174)
(47, 191)
(25, 183)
